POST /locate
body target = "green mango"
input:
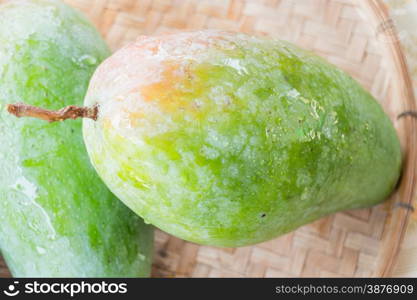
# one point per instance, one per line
(229, 140)
(57, 218)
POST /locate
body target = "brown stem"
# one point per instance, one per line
(68, 112)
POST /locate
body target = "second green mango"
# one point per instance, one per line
(57, 219)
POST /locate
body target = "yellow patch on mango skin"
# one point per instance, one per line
(170, 92)
(160, 90)
(134, 117)
(107, 123)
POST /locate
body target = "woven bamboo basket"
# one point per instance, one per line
(357, 36)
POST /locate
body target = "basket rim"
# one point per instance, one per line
(406, 188)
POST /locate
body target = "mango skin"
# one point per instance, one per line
(229, 140)
(57, 218)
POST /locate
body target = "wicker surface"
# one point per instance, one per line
(349, 34)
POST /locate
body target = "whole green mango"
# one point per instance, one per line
(57, 219)
(229, 140)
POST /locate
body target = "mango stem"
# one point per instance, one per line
(69, 112)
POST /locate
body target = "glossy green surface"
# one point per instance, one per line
(57, 219)
(238, 139)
